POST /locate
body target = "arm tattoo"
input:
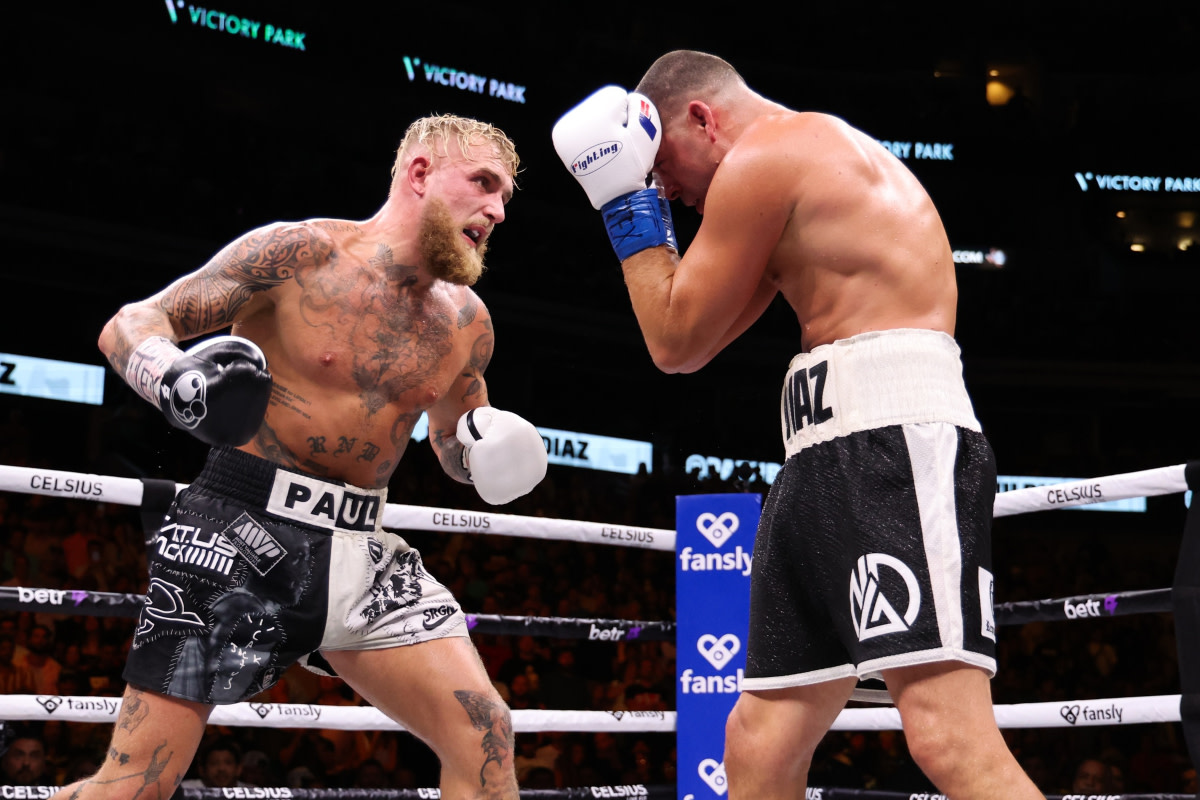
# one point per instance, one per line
(494, 719)
(481, 356)
(466, 314)
(450, 454)
(210, 298)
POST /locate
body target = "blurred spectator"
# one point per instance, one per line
(539, 778)
(24, 762)
(44, 667)
(370, 774)
(521, 694)
(1092, 776)
(219, 765)
(528, 660)
(258, 769)
(562, 687)
(14, 678)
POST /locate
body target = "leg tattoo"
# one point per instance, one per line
(133, 711)
(493, 718)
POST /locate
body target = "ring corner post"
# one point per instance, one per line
(1185, 602)
(714, 546)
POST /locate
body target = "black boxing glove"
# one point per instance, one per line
(217, 391)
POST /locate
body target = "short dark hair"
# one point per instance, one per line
(682, 75)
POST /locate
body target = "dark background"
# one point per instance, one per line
(132, 148)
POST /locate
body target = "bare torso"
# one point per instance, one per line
(358, 349)
(863, 247)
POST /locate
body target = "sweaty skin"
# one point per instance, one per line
(359, 341)
(785, 213)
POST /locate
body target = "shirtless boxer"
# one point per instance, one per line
(341, 334)
(873, 555)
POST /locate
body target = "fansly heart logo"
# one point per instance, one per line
(718, 652)
(717, 529)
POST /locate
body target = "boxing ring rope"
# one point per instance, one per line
(137, 492)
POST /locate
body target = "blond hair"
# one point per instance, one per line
(434, 131)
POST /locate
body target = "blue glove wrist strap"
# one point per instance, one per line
(637, 221)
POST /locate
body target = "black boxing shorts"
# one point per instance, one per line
(874, 547)
(256, 567)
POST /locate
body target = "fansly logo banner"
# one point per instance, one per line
(714, 556)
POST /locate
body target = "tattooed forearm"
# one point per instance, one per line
(450, 454)
(494, 719)
(150, 777)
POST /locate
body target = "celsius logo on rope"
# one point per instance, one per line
(868, 603)
(27, 792)
(238, 26)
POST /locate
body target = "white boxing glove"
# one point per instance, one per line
(609, 143)
(503, 453)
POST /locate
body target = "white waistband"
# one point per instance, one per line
(871, 381)
(324, 504)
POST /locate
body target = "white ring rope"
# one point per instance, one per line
(1126, 486)
(128, 491)
(1068, 714)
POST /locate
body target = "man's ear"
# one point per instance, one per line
(703, 117)
(418, 174)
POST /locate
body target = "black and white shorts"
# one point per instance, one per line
(256, 567)
(874, 547)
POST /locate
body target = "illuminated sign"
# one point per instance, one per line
(584, 450)
(1135, 183)
(992, 257)
(918, 151)
(233, 24)
(52, 380)
(1006, 483)
(724, 467)
(466, 81)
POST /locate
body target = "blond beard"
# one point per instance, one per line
(443, 251)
